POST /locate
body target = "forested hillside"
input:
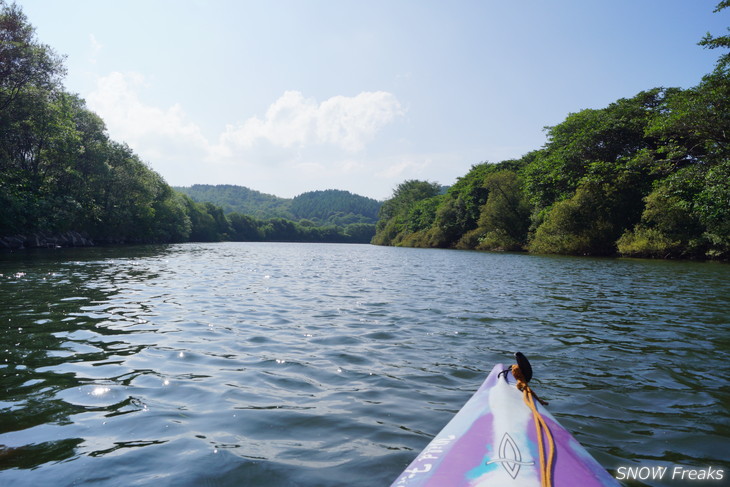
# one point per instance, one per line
(239, 199)
(329, 207)
(335, 207)
(646, 176)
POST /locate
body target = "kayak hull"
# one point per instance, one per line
(492, 441)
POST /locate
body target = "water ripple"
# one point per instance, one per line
(324, 365)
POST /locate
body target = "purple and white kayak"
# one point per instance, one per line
(492, 441)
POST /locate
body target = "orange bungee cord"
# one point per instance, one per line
(522, 372)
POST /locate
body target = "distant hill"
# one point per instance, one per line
(335, 207)
(331, 206)
(239, 199)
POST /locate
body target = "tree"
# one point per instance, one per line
(393, 215)
(23, 60)
(588, 142)
(668, 227)
(245, 228)
(280, 230)
(584, 224)
(335, 206)
(360, 232)
(505, 217)
(458, 211)
(688, 207)
(172, 223)
(713, 207)
(715, 42)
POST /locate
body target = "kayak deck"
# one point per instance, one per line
(492, 441)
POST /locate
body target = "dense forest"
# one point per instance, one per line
(238, 199)
(328, 207)
(647, 176)
(61, 173)
(335, 207)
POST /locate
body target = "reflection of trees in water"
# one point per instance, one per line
(31, 456)
(118, 445)
(54, 320)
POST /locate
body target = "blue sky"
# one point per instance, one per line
(292, 96)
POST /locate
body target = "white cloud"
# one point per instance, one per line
(299, 144)
(295, 121)
(352, 121)
(129, 119)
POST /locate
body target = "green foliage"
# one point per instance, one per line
(460, 210)
(173, 222)
(679, 220)
(239, 199)
(589, 143)
(472, 193)
(58, 169)
(645, 176)
(329, 207)
(245, 228)
(335, 207)
(689, 205)
(281, 230)
(360, 232)
(581, 225)
(24, 62)
(452, 219)
(505, 217)
(394, 213)
(432, 219)
(713, 207)
(422, 214)
(648, 242)
(323, 216)
(405, 196)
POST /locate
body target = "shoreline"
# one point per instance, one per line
(44, 240)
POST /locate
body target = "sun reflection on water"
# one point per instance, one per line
(99, 391)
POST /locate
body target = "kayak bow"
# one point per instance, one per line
(494, 441)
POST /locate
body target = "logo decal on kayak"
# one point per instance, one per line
(510, 456)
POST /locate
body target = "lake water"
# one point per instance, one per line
(260, 364)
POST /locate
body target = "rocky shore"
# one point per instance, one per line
(41, 240)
